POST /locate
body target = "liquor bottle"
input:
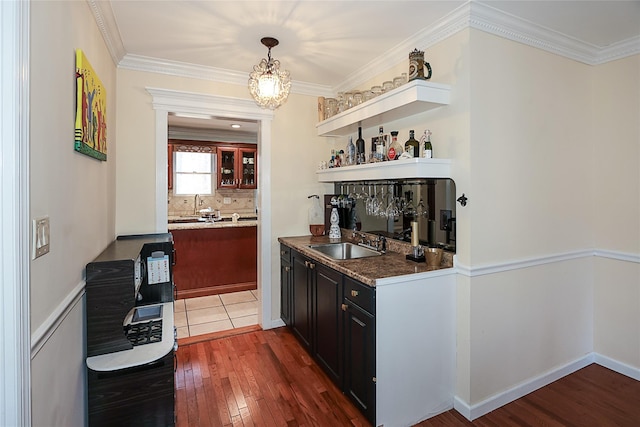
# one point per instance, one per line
(411, 146)
(360, 147)
(380, 150)
(351, 153)
(395, 149)
(427, 153)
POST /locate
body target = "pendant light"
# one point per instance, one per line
(268, 84)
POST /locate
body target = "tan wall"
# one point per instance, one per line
(541, 173)
(616, 155)
(616, 209)
(76, 192)
(530, 186)
(295, 152)
(532, 134)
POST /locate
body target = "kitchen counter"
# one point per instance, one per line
(195, 225)
(370, 270)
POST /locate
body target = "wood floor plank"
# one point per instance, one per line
(266, 378)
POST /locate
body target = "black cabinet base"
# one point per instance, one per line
(138, 396)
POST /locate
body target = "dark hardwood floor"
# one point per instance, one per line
(265, 378)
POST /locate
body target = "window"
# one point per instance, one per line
(194, 173)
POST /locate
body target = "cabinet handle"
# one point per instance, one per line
(344, 307)
(374, 379)
(306, 264)
(281, 252)
(287, 269)
(354, 293)
(312, 265)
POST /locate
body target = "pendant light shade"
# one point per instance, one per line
(268, 84)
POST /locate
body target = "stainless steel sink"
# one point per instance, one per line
(185, 220)
(344, 250)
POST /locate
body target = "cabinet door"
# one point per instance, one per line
(302, 284)
(285, 291)
(247, 168)
(328, 321)
(360, 359)
(227, 167)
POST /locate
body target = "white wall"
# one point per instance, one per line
(529, 198)
(76, 192)
(534, 206)
(616, 210)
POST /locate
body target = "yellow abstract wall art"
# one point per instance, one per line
(91, 110)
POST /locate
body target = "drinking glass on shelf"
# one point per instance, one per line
(357, 98)
(382, 208)
(392, 209)
(330, 107)
(387, 86)
(409, 208)
(422, 210)
(376, 90)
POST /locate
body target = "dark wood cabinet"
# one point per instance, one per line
(126, 385)
(237, 167)
(286, 273)
(327, 321)
(138, 396)
(333, 316)
(214, 261)
(359, 347)
(302, 285)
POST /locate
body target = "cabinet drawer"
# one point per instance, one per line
(285, 253)
(362, 295)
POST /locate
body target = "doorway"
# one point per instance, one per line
(165, 101)
(211, 175)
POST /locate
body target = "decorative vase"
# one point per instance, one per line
(334, 230)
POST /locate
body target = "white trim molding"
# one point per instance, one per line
(15, 367)
(41, 335)
(481, 270)
(165, 101)
(471, 14)
(471, 412)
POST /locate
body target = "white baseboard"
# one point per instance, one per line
(501, 399)
(619, 367)
(507, 396)
(276, 323)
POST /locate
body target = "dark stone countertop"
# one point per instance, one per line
(365, 270)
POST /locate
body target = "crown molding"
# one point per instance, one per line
(496, 22)
(106, 21)
(619, 50)
(220, 75)
(450, 24)
(471, 14)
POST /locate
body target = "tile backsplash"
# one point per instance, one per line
(241, 201)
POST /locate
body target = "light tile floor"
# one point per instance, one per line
(204, 315)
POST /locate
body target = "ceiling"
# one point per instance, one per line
(326, 44)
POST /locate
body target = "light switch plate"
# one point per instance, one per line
(40, 237)
(227, 200)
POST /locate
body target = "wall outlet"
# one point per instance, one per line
(227, 200)
(40, 237)
(445, 216)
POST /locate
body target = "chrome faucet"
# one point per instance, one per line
(195, 204)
